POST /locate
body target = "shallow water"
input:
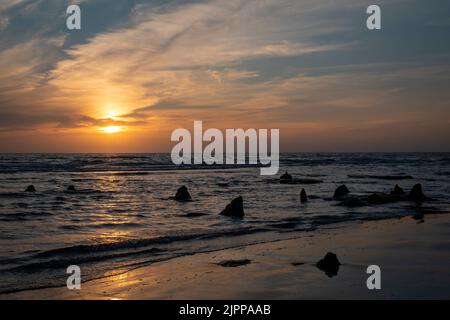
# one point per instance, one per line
(121, 216)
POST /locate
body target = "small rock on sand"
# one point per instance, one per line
(329, 264)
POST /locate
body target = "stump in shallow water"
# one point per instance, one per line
(235, 208)
(303, 196)
(341, 191)
(397, 190)
(183, 194)
(286, 177)
(30, 188)
(416, 193)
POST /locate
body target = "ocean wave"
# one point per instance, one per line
(22, 216)
(63, 262)
(62, 257)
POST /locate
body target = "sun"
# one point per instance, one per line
(111, 129)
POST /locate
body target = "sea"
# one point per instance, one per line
(121, 215)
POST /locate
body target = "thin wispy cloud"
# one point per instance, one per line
(176, 54)
(294, 64)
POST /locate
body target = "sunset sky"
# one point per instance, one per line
(139, 69)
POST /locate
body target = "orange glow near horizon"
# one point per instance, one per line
(111, 129)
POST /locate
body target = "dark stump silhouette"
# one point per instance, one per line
(380, 198)
(235, 208)
(30, 188)
(303, 196)
(286, 177)
(341, 191)
(329, 264)
(397, 190)
(416, 193)
(183, 194)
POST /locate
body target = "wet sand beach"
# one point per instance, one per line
(414, 257)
